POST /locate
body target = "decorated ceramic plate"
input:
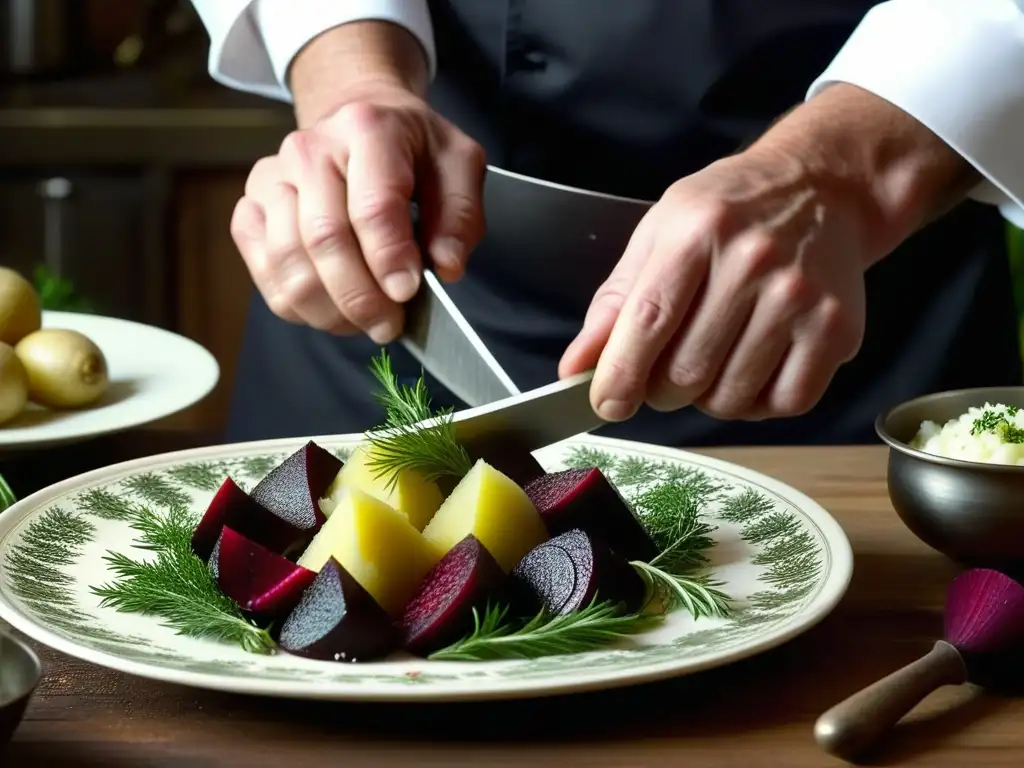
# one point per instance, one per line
(153, 374)
(780, 558)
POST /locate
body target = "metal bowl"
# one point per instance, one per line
(970, 511)
(20, 673)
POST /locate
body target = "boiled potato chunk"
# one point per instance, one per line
(411, 494)
(20, 310)
(498, 512)
(13, 384)
(377, 545)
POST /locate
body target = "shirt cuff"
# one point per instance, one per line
(955, 66)
(257, 49)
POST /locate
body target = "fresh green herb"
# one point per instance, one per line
(56, 293)
(495, 637)
(414, 436)
(696, 594)
(673, 514)
(998, 424)
(7, 497)
(176, 585)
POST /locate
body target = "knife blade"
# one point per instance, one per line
(438, 335)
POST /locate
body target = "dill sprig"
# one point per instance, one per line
(176, 585)
(673, 514)
(495, 637)
(413, 436)
(7, 497)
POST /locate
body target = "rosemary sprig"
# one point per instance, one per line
(593, 627)
(413, 436)
(7, 497)
(176, 585)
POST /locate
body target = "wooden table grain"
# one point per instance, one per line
(759, 712)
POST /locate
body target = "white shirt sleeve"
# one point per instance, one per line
(957, 66)
(253, 42)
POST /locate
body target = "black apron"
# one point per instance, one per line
(626, 98)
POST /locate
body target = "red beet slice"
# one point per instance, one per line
(566, 572)
(338, 620)
(584, 499)
(292, 489)
(442, 610)
(234, 507)
(263, 583)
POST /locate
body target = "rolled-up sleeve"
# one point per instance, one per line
(253, 42)
(957, 66)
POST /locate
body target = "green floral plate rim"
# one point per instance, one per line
(780, 554)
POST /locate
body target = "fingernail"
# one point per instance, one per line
(383, 332)
(615, 410)
(401, 286)
(447, 253)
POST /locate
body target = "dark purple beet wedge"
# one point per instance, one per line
(293, 488)
(566, 572)
(233, 507)
(442, 610)
(264, 584)
(584, 499)
(338, 620)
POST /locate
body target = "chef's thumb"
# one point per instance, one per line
(453, 215)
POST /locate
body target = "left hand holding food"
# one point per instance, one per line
(741, 291)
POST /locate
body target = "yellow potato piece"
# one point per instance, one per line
(413, 495)
(377, 546)
(493, 508)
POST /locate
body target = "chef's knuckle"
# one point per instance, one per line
(792, 401)
(651, 311)
(793, 289)
(626, 377)
(728, 402)
(756, 254)
(690, 374)
(837, 325)
(379, 210)
(716, 215)
(263, 174)
(359, 117)
(472, 153)
(299, 148)
(324, 234)
(361, 305)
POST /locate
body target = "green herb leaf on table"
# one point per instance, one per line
(7, 497)
(404, 442)
(58, 294)
(176, 585)
(495, 637)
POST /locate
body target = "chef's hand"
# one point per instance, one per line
(325, 225)
(741, 291)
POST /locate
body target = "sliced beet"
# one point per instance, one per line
(338, 620)
(566, 572)
(234, 507)
(508, 455)
(584, 499)
(293, 488)
(442, 610)
(264, 584)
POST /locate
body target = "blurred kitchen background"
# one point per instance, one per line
(121, 162)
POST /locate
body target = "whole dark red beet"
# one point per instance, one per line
(264, 584)
(442, 611)
(292, 489)
(566, 572)
(338, 620)
(584, 499)
(234, 507)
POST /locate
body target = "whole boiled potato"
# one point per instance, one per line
(13, 384)
(20, 311)
(65, 368)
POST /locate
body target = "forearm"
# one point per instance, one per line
(344, 62)
(897, 172)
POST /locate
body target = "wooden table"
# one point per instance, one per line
(756, 713)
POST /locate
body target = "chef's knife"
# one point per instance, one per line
(546, 221)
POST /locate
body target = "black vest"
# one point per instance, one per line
(626, 97)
